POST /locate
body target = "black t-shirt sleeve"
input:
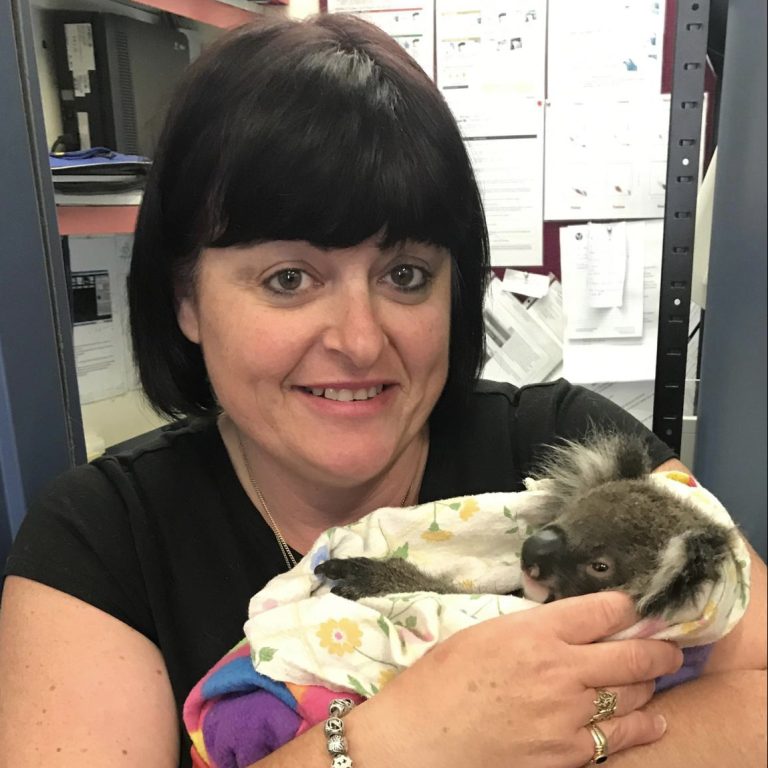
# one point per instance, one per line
(548, 413)
(77, 538)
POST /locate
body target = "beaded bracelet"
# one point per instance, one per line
(334, 731)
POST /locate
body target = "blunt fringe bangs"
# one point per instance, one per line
(325, 131)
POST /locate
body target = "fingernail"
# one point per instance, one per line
(661, 723)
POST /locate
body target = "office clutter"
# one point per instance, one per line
(115, 76)
(82, 177)
(565, 117)
(564, 122)
(598, 327)
(524, 339)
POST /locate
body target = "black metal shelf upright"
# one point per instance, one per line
(685, 120)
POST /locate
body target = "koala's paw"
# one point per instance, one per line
(356, 577)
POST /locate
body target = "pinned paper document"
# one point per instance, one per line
(595, 359)
(98, 270)
(583, 56)
(412, 27)
(525, 283)
(490, 58)
(603, 268)
(606, 265)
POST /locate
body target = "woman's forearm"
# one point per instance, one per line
(715, 721)
(309, 749)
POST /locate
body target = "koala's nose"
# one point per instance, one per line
(541, 550)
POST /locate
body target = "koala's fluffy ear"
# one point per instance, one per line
(577, 467)
(689, 561)
(541, 508)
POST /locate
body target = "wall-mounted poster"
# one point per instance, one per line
(412, 26)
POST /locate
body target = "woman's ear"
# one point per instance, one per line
(187, 317)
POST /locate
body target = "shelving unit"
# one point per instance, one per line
(118, 418)
(106, 219)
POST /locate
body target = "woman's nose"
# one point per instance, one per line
(355, 328)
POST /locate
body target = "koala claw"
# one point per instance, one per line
(356, 576)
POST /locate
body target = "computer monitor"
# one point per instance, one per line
(115, 77)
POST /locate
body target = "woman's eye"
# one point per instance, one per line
(288, 281)
(408, 277)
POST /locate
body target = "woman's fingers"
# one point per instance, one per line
(623, 732)
(581, 621)
(624, 662)
(543, 688)
(587, 618)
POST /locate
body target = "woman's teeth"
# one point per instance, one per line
(346, 395)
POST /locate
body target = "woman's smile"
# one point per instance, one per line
(345, 394)
(348, 401)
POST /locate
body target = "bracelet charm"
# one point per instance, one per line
(334, 732)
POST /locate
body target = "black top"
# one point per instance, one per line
(166, 540)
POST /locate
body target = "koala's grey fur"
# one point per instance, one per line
(612, 526)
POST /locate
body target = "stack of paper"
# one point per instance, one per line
(98, 176)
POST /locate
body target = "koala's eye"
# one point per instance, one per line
(602, 568)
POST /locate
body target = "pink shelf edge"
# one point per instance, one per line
(96, 219)
(210, 12)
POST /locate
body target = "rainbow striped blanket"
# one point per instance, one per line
(236, 716)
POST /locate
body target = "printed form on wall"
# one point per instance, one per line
(605, 47)
(612, 351)
(490, 68)
(603, 282)
(607, 122)
(98, 271)
(606, 158)
(412, 26)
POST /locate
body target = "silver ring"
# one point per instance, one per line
(605, 706)
(601, 745)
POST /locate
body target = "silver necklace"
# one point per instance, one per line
(290, 560)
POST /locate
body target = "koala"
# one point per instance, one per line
(608, 526)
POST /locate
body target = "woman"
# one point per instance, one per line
(308, 274)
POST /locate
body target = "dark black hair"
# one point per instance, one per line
(322, 130)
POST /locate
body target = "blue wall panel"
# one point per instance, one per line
(731, 438)
(40, 427)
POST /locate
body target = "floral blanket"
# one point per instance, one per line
(304, 644)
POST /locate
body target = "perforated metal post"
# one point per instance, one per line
(686, 110)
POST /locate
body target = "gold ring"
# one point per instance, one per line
(601, 745)
(605, 704)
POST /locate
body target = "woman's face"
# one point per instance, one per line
(330, 361)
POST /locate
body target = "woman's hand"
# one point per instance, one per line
(518, 691)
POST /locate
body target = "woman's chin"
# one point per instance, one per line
(349, 472)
